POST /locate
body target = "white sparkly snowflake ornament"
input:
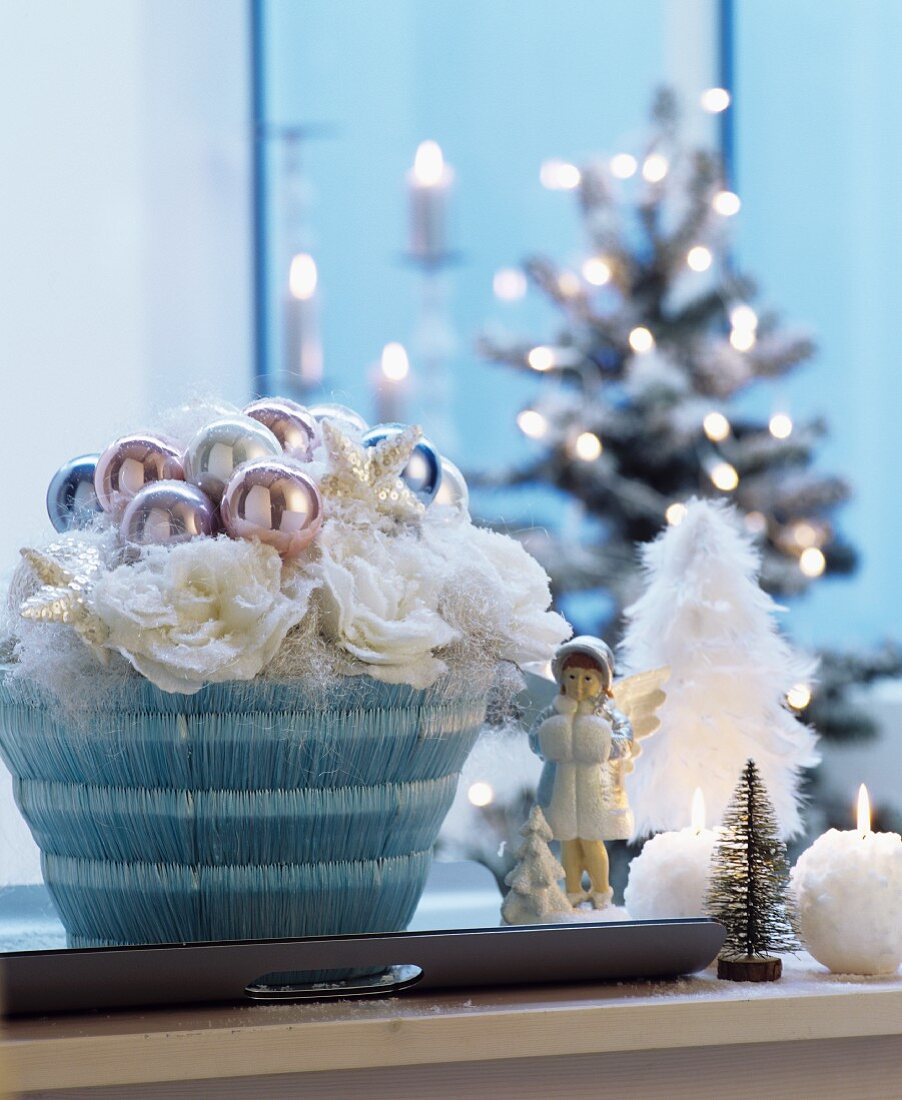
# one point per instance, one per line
(371, 475)
(67, 573)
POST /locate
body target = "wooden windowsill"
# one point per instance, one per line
(205, 1043)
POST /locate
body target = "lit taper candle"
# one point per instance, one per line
(303, 348)
(428, 189)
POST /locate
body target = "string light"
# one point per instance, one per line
(798, 696)
(780, 426)
(675, 513)
(805, 534)
(532, 424)
(509, 284)
(715, 100)
(623, 165)
(812, 561)
(480, 793)
(559, 175)
(541, 358)
(699, 258)
(641, 339)
(302, 277)
(743, 318)
(724, 477)
(742, 339)
(596, 271)
(726, 203)
(568, 284)
(716, 427)
(394, 363)
(756, 522)
(745, 323)
(655, 167)
(587, 446)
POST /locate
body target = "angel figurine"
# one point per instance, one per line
(589, 739)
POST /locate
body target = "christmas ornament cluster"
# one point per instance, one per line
(276, 540)
(248, 475)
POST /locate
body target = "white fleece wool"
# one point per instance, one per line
(704, 615)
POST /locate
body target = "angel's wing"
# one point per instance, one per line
(640, 697)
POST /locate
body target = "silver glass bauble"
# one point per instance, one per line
(453, 495)
(423, 472)
(167, 512)
(130, 463)
(292, 424)
(274, 501)
(71, 497)
(220, 447)
(340, 414)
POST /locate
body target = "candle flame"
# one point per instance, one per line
(395, 364)
(429, 164)
(302, 276)
(864, 810)
(698, 810)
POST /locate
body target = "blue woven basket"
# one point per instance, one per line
(246, 811)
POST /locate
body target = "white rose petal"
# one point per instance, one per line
(514, 590)
(380, 601)
(206, 611)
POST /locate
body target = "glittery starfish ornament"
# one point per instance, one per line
(62, 597)
(371, 474)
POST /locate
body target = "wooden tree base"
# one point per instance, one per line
(750, 969)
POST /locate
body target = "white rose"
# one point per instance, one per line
(501, 592)
(205, 611)
(380, 597)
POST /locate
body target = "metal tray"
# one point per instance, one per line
(92, 978)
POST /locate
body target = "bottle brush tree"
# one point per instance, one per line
(749, 886)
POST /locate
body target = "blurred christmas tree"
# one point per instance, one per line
(645, 403)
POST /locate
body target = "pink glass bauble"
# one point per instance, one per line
(167, 512)
(275, 502)
(132, 462)
(289, 422)
(221, 446)
(339, 414)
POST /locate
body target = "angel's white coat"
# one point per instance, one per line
(585, 800)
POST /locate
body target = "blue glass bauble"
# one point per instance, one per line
(71, 499)
(423, 473)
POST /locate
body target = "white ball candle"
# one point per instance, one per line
(669, 877)
(848, 891)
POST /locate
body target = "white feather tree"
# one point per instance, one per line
(704, 615)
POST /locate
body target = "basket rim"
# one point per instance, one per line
(138, 696)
